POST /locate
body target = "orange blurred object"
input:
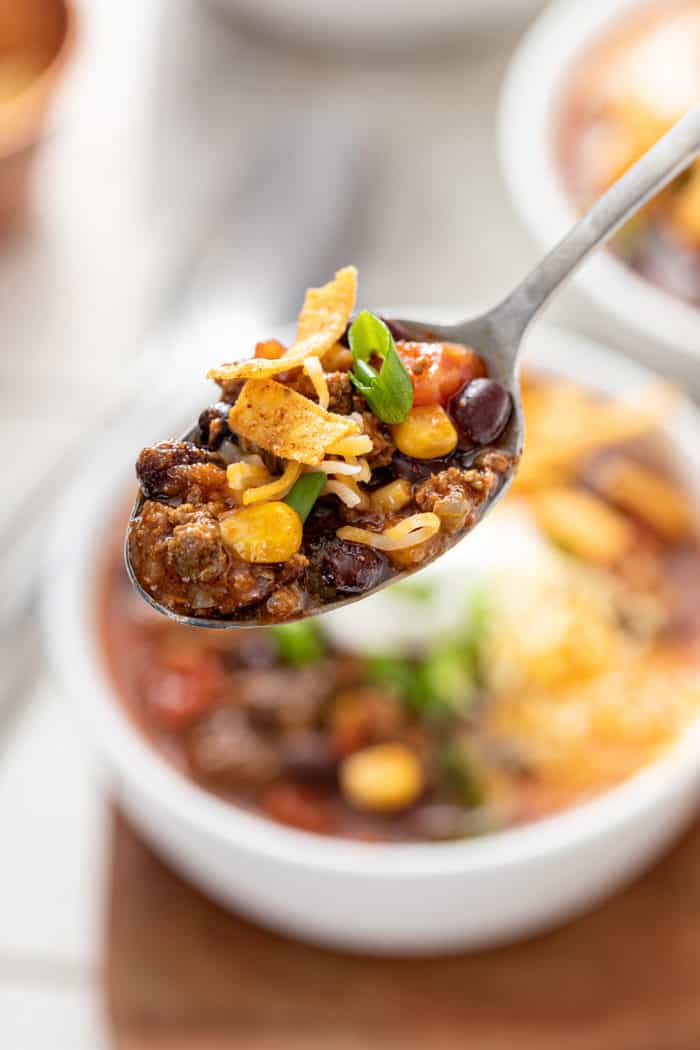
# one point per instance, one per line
(36, 39)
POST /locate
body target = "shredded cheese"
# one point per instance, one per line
(415, 529)
(314, 370)
(365, 471)
(352, 446)
(345, 493)
(273, 490)
(337, 466)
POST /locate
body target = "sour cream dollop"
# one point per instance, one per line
(433, 602)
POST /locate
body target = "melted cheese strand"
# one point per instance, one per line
(415, 529)
(337, 466)
(314, 370)
(352, 446)
(345, 493)
(274, 490)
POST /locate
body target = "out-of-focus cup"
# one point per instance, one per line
(36, 40)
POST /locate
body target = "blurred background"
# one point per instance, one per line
(162, 163)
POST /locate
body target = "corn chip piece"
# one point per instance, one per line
(329, 308)
(280, 420)
(642, 492)
(322, 321)
(564, 425)
(582, 524)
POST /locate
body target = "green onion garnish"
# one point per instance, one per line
(389, 392)
(459, 775)
(298, 643)
(305, 492)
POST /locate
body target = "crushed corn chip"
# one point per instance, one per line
(565, 424)
(280, 420)
(583, 524)
(322, 321)
(329, 308)
(642, 492)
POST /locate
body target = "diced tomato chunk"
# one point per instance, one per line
(439, 370)
(301, 806)
(271, 349)
(178, 696)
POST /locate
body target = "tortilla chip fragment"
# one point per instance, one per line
(323, 319)
(329, 308)
(280, 420)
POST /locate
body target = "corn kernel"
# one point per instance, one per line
(426, 433)
(382, 778)
(392, 497)
(264, 532)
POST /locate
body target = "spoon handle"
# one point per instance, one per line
(671, 154)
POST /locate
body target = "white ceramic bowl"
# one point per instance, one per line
(645, 320)
(383, 22)
(382, 898)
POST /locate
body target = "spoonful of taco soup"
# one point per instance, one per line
(360, 453)
(324, 470)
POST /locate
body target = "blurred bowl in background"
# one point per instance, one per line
(36, 39)
(387, 23)
(397, 898)
(647, 321)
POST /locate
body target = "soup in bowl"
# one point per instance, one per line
(536, 665)
(454, 763)
(626, 90)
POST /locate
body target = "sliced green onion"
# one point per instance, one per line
(391, 672)
(448, 683)
(459, 775)
(299, 643)
(389, 392)
(304, 493)
(476, 630)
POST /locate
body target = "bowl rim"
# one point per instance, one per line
(67, 616)
(528, 110)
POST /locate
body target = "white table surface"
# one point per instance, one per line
(151, 115)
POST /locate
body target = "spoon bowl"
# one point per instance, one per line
(497, 334)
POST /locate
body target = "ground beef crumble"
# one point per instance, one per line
(178, 557)
(455, 495)
(180, 472)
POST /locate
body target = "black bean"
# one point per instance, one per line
(349, 567)
(213, 425)
(416, 470)
(481, 410)
(308, 756)
(323, 519)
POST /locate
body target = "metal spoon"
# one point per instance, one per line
(498, 334)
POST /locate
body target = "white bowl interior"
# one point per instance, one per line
(69, 623)
(389, 21)
(529, 107)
